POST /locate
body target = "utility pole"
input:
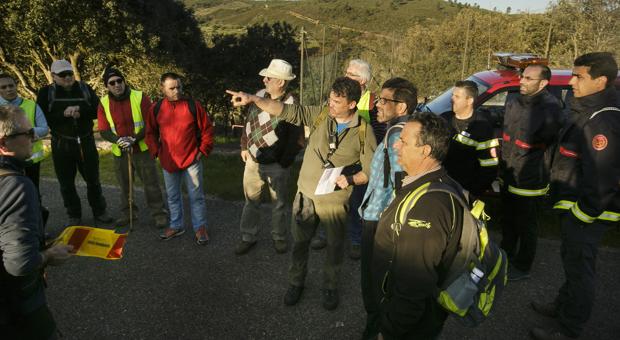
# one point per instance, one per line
(301, 68)
(322, 68)
(465, 50)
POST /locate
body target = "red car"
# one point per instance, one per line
(495, 86)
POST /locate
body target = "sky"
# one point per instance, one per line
(532, 6)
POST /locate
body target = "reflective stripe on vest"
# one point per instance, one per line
(488, 144)
(363, 107)
(574, 208)
(528, 192)
(30, 108)
(135, 98)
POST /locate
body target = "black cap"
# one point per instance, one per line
(111, 72)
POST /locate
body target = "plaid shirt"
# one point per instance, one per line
(377, 197)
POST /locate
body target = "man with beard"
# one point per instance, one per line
(120, 116)
(531, 124)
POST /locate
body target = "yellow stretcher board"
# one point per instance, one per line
(95, 242)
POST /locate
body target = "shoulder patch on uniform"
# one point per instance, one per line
(599, 142)
(419, 223)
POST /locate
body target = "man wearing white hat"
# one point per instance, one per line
(268, 148)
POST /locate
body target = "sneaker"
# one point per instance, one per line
(281, 246)
(293, 293)
(202, 237)
(243, 247)
(169, 233)
(548, 309)
(355, 253)
(539, 333)
(104, 218)
(318, 243)
(515, 274)
(330, 299)
(73, 221)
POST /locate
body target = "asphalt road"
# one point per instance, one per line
(178, 290)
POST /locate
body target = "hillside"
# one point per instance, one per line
(368, 16)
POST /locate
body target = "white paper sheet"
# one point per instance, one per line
(327, 182)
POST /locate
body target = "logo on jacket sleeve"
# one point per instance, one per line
(599, 142)
(419, 223)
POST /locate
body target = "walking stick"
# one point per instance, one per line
(130, 170)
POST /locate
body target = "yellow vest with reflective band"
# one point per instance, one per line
(30, 108)
(135, 98)
(363, 107)
(610, 216)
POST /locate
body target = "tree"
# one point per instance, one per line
(142, 38)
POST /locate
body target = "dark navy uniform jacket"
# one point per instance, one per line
(585, 171)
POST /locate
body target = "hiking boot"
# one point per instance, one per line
(161, 222)
(281, 246)
(202, 238)
(293, 293)
(244, 247)
(515, 274)
(104, 218)
(169, 233)
(124, 221)
(330, 299)
(318, 243)
(73, 221)
(355, 253)
(539, 333)
(548, 309)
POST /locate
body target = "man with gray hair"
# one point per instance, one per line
(268, 148)
(23, 310)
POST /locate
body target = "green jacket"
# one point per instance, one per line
(349, 151)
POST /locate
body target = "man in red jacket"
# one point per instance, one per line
(179, 132)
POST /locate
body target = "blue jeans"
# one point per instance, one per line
(193, 181)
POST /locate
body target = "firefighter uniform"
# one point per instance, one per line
(585, 185)
(531, 123)
(472, 157)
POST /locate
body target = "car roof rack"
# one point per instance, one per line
(519, 61)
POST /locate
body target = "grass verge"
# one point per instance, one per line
(224, 179)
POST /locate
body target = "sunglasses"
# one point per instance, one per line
(65, 74)
(29, 133)
(114, 82)
(385, 100)
(7, 86)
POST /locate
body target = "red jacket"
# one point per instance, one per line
(172, 136)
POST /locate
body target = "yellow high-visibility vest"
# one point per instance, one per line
(364, 105)
(30, 108)
(135, 98)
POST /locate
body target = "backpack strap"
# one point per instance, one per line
(319, 119)
(387, 167)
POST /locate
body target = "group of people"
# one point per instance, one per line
(364, 158)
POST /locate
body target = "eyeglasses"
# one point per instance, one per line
(352, 75)
(29, 133)
(527, 78)
(114, 82)
(65, 74)
(383, 101)
(7, 86)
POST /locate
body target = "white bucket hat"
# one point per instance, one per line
(279, 69)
